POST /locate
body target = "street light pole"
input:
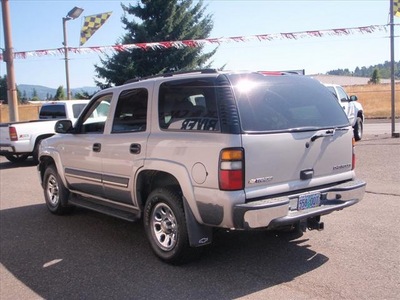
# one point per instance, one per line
(65, 19)
(72, 15)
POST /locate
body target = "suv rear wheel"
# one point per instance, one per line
(165, 226)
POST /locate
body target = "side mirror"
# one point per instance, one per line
(353, 98)
(63, 126)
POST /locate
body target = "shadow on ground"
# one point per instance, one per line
(13, 165)
(92, 256)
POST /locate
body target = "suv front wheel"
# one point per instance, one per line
(55, 193)
(358, 129)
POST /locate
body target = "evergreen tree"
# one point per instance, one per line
(83, 95)
(3, 89)
(60, 94)
(376, 78)
(161, 20)
(24, 96)
(35, 95)
(19, 97)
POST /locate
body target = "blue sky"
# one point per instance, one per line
(37, 25)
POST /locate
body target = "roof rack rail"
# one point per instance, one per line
(170, 74)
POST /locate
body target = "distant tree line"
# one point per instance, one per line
(382, 69)
(24, 97)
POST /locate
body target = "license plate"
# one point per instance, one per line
(308, 201)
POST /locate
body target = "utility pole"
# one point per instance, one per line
(392, 82)
(9, 59)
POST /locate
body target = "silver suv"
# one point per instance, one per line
(190, 152)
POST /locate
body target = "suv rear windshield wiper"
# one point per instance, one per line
(328, 132)
(304, 128)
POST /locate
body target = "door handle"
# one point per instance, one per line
(135, 148)
(96, 147)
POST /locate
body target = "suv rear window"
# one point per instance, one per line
(284, 103)
(188, 105)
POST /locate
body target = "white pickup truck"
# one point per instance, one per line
(19, 140)
(352, 108)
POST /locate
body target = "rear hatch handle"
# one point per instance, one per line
(96, 147)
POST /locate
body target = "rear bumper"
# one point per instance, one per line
(275, 212)
(17, 148)
(6, 149)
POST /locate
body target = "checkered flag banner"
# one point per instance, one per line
(396, 8)
(91, 24)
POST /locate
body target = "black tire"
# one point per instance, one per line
(358, 129)
(55, 193)
(16, 158)
(165, 226)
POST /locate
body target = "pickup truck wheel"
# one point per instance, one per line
(358, 129)
(55, 193)
(17, 157)
(165, 226)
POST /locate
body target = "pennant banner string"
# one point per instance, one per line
(202, 42)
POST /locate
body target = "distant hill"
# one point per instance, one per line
(44, 92)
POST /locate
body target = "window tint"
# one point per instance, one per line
(94, 118)
(342, 94)
(332, 90)
(56, 111)
(188, 105)
(131, 111)
(77, 109)
(281, 103)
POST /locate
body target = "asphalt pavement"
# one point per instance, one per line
(87, 255)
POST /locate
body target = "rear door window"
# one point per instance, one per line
(131, 111)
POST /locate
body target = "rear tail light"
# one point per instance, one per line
(231, 169)
(13, 133)
(353, 158)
